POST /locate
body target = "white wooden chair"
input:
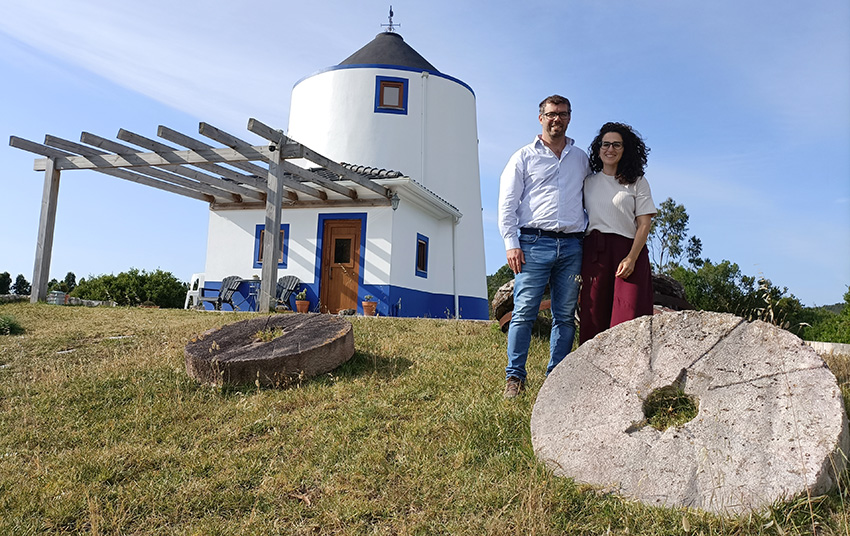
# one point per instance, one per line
(194, 294)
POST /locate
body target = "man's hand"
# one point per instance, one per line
(515, 260)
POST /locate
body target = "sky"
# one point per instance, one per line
(745, 105)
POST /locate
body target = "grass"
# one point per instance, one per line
(103, 433)
(669, 406)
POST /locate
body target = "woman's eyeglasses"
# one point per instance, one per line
(615, 144)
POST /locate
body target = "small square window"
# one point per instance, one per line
(421, 255)
(259, 245)
(390, 95)
(342, 251)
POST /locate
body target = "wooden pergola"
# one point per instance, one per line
(237, 175)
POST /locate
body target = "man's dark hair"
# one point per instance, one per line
(633, 162)
(555, 100)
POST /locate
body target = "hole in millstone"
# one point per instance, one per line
(669, 406)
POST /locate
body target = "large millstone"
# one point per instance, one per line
(770, 422)
(304, 345)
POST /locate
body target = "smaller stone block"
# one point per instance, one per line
(244, 353)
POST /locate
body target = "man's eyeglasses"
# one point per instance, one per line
(553, 115)
(615, 144)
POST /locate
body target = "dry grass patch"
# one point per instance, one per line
(104, 433)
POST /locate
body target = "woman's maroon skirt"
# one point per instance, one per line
(607, 300)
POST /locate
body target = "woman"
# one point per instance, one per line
(615, 272)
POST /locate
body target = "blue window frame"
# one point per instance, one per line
(390, 95)
(421, 255)
(284, 245)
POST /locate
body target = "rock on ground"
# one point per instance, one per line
(770, 425)
(304, 345)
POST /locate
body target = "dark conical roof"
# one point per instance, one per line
(388, 48)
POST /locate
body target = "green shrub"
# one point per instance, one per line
(5, 283)
(134, 287)
(9, 325)
(21, 287)
(66, 285)
(825, 325)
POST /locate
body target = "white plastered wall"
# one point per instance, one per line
(230, 247)
(410, 221)
(435, 143)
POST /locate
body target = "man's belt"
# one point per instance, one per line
(549, 234)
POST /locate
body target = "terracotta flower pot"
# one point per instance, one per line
(302, 306)
(369, 308)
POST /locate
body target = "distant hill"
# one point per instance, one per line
(834, 308)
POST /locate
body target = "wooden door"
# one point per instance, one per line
(340, 265)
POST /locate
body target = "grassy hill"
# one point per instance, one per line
(102, 432)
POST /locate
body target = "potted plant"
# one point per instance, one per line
(302, 304)
(369, 305)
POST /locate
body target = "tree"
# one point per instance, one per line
(495, 281)
(70, 282)
(668, 235)
(823, 324)
(717, 287)
(5, 282)
(134, 287)
(66, 285)
(21, 286)
(723, 288)
(693, 252)
(165, 290)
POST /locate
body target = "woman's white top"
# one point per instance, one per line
(612, 207)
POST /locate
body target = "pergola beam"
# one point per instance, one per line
(336, 203)
(218, 169)
(245, 148)
(344, 172)
(57, 155)
(289, 145)
(149, 171)
(153, 159)
(192, 143)
(203, 178)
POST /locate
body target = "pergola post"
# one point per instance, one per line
(271, 237)
(46, 225)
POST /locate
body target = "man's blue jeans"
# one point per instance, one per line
(556, 261)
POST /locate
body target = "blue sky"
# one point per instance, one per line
(745, 105)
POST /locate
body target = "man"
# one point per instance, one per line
(542, 221)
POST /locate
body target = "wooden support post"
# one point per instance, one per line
(46, 225)
(271, 238)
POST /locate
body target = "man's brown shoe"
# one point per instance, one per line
(513, 387)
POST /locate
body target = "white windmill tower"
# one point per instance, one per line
(386, 106)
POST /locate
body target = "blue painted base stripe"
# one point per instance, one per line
(392, 301)
(405, 302)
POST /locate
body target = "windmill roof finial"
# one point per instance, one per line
(391, 26)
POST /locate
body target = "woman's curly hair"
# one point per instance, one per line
(633, 162)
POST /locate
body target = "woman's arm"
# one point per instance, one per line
(627, 265)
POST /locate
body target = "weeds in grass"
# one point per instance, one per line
(9, 325)
(268, 335)
(410, 436)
